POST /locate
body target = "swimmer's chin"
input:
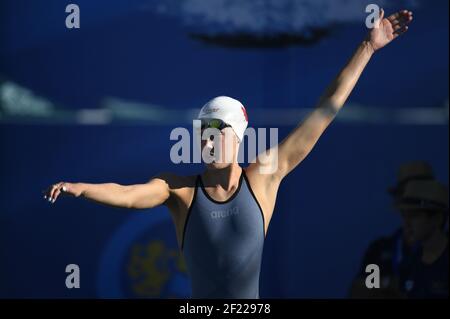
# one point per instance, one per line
(218, 165)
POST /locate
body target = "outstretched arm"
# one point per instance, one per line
(139, 196)
(297, 145)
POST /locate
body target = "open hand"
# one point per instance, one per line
(388, 29)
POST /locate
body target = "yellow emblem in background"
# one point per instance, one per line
(151, 266)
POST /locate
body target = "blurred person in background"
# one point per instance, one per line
(424, 209)
(398, 254)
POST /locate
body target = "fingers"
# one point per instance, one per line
(396, 16)
(54, 191)
(398, 27)
(400, 16)
(393, 17)
(381, 14)
(400, 31)
(56, 194)
(404, 20)
(400, 21)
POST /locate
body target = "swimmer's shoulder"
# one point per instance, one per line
(180, 186)
(175, 181)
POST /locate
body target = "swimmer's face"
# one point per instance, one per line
(219, 147)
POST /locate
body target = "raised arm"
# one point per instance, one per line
(139, 196)
(297, 145)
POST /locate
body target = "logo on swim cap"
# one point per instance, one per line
(245, 113)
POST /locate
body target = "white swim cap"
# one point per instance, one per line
(229, 110)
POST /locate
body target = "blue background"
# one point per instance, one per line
(328, 209)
